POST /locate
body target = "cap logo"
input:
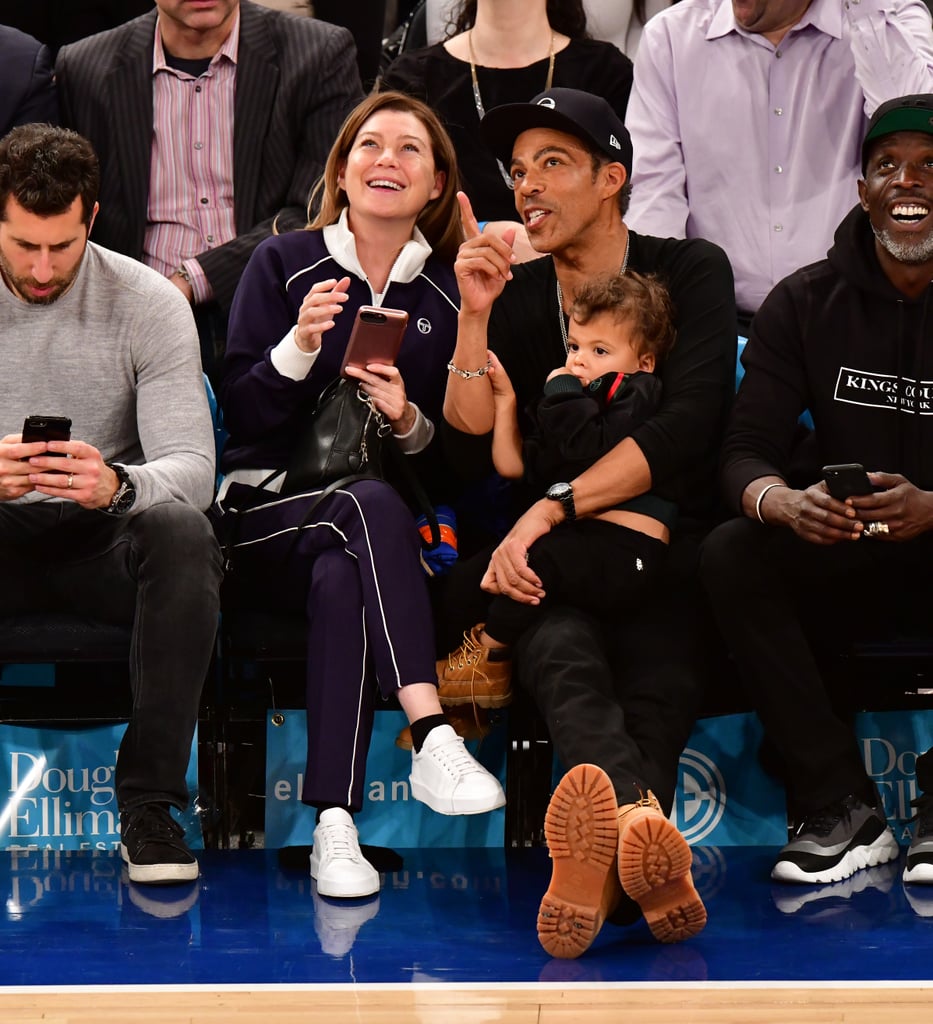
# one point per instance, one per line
(614, 142)
(547, 102)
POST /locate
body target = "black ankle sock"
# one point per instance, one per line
(326, 807)
(421, 728)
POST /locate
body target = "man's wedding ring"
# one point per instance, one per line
(876, 528)
(71, 480)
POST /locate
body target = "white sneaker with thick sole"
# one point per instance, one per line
(337, 863)
(446, 777)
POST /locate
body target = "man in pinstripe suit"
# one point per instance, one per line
(212, 119)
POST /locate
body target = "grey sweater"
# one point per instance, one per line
(118, 353)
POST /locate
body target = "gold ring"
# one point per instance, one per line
(71, 480)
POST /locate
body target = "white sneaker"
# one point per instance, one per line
(447, 778)
(337, 863)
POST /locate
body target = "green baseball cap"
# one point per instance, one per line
(904, 114)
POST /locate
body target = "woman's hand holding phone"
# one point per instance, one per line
(385, 386)
(323, 303)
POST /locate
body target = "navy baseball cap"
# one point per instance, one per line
(904, 114)
(577, 113)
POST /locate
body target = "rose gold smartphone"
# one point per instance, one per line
(376, 337)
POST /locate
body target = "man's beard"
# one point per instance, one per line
(909, 251)
(21, 285)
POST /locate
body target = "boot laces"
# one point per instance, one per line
(468, 652)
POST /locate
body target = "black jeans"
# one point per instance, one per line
(590, 565)
(784, 607)
(158, 572)
(622, 691)
(624, 694)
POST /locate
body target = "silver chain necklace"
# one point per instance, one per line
(478, 100)
(560, 298)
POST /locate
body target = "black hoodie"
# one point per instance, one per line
(839, 339)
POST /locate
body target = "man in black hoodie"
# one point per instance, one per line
(849, 339)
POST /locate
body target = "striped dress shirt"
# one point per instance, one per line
(191, 173)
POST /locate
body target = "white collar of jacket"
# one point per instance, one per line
(340, 243)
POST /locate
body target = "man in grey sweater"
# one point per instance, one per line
(115, 529)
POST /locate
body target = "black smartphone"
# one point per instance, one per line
(846, 480)
(47, 428)
(376, 337)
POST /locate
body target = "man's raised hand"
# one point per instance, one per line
(484, 263)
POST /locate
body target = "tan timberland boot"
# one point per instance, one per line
(581, 828)
(468, 676)
(654, 869)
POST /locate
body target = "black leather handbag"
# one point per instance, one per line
(346, 440)
(345, 437)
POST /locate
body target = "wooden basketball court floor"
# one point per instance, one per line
(450, 938)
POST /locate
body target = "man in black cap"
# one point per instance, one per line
(619, 695)
(811, 564)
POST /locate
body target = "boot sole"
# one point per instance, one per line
(582, 831)
(498, 700)
(654, 869)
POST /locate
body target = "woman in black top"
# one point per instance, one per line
(506, 51)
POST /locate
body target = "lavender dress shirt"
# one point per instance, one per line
(757, 147)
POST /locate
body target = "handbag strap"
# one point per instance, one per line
(418, 492)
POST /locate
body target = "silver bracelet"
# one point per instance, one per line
(467, 374)
(761, 496)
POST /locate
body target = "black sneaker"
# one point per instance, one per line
(153, 845)
(836, 841)
(920, 854)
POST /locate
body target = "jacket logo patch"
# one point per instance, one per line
(884, 391)
(424, 325)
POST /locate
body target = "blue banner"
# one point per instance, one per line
(724, 798)
(59, 791)
(891, 742)
(390, 816)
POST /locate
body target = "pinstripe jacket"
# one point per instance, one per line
(297, 79)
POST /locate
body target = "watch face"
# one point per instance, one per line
(563, 492)
(125, 495)
(124, 502)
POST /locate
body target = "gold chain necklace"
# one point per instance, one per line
(560, 298)
(478, 99)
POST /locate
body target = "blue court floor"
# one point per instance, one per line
(444, 916)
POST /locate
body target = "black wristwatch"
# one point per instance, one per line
(564, 494)
(125, 494)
